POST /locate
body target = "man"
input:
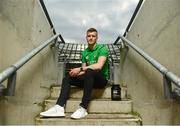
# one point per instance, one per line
(93, 73)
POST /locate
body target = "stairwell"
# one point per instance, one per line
(102, 110)
(20, 23)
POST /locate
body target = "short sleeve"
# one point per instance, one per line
(83, 57)
(104, 51)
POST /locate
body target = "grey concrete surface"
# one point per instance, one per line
(88, 121)
(23, 26)
(97, 93)
(156, 30)
(96, 105)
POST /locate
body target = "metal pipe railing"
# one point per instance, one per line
(171, 76)
(133, 17)
(47, 15)
(13, 68)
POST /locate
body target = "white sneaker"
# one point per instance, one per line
(79, 113)
(56, 111)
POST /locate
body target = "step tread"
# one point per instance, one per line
(96, 105)
(79, 99)
(101, 116)
(92, 119)
(96, 93)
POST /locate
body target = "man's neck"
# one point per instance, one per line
(91, 47)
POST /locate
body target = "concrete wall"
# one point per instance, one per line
(0, 47)
(156, 30)
(23, 26)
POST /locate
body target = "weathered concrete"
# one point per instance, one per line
(156, 30)
(97, 93)
(23, 26)
(90, 120)
(96, 106)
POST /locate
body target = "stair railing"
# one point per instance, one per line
(168, 76)
(11, 72)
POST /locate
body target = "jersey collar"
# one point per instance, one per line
(94, 47)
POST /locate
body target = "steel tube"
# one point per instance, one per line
(6, 73)
(175, 79)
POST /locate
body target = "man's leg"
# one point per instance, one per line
(92, 79)
(65, 88)
(64, 93)
(58, 109)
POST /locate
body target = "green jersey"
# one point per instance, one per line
(91, 57)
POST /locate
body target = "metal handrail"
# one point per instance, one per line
(133, 17)
(47, 15)
(131, 20)
(13, 68)
(174, 78)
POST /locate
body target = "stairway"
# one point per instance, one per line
(102, 110)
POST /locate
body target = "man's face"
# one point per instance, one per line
(91, 37)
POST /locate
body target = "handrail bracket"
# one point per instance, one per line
(167, 87)
(11, 84)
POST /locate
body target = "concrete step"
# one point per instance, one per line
(92, 120)
(96, 105)
(97, 93)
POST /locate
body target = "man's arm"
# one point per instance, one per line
(81, 69)
(77, 71)
(98, 65)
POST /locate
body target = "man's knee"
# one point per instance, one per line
(66, 78)
(89, 71)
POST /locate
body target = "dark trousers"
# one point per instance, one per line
(91, 79)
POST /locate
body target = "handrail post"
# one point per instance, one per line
(2, 88)
(167, 87)
(11, 85)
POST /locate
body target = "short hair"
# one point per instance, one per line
(92, 30)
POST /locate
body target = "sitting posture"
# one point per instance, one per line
(93, 73)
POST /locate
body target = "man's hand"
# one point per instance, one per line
(74, 72)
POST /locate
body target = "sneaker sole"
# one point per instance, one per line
(79, 118)
(52, 115)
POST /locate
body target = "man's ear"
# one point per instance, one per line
(97, 36)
